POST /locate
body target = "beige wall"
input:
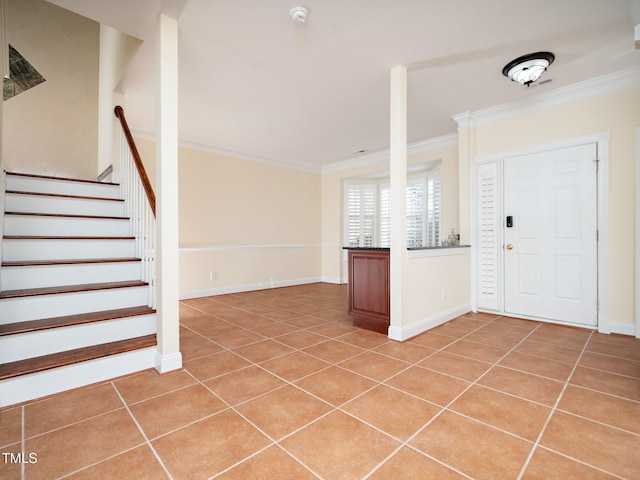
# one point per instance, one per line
(618, 114)
(52, 129)
(254, 225)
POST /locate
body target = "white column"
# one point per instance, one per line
(398, 186)
(168, 356)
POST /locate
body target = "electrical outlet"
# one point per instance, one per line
(213, 276)
(444, 293)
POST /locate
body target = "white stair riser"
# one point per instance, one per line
(64, 205)
(50, 249)
(36, 276)
(44, 306)
(37, 385)
(54, 340)
(61, 226)
(45, 185)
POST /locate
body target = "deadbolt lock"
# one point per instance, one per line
(509, 247)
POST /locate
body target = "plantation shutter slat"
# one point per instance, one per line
(488, 227)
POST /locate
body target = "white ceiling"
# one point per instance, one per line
(254, 82)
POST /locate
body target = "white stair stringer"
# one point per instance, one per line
(39, 276)
(53, 340)
(48, 382)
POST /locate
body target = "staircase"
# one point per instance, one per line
(73, 310)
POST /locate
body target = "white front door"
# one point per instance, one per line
(550, 255)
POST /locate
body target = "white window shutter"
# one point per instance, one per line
(488, 228)
(433, 209)
(385, 215)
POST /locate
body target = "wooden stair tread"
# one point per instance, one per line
(82, 318)
(48, 177)
(61, 195)
(68, 320)
(70, 357)
(62, 237)
(66, 215)
(29, 292)
(33, 263)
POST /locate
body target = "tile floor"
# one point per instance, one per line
(277, 384)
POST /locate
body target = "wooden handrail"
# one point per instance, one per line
(136, 158)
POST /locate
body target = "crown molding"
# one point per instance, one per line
(204, 146)
(437, 143)
(585, 90)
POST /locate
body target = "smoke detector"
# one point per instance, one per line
(300, 14)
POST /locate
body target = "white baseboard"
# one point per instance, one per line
(622, 328)
(247, 287)
(168, 363)
(405, 333)
(335, 280)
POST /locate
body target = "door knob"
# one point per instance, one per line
(509, 247)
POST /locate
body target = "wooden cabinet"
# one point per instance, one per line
(369, 289)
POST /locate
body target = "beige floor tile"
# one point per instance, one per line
(615, 411)
(546, 465)
(210, 446)
(478, 351)
(537, 365)
(262, 351)
(243, 385)
(431, 340)
(407, 464)
(456, 365)
(301, 339)
(546, 350)
(525, 385)
(82, 444)
(432, 386)
(294, 366)
(272, 463)
(374, 366)
(406, 416)
(503, 328)
(332, 329)
(274, 330)
(11, 470)
(238, 339)
(406, 352)
(615, 345)
(450, 330)
(339, 446)
(493, 339)
(477, 450)
(604, 447)
(364, 339)
(144, 385)
(211, 366)
(335, 385)
(176, 409)
(137, 464)
(508, 413)
(612, 383)
(10, 426)
(70, 407)
(282, 411)
(333, 351)
(622, 366)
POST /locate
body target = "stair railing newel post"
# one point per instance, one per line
(140, 204)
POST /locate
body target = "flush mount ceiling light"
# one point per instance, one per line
(300, 14)
(527, 69)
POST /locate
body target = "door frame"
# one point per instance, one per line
(602, 147)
